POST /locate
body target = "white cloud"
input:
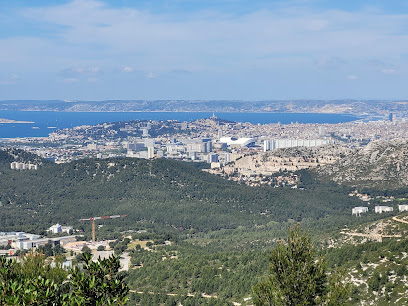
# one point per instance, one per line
(197, 41)
(388, 71)
(150, 75)
(77, 71)
(330, 62)
(85, 39)
(70, 80)
(127, 69)
(10, 80)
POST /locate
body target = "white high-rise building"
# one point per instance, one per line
(150, 152)
(270, 145)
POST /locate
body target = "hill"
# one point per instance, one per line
(374, 256)
(380, 164)
(221, 231)
(371, 107)
(165, 192)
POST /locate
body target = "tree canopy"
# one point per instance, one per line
(33, 281)
(298, 277)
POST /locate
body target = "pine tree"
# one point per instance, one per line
(298, 277)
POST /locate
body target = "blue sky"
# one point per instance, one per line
(196, 49)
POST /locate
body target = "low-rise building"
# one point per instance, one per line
(403, 207)
(380, 209)
(55, 229)
(23, 166)
(357, 211)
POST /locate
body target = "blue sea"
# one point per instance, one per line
(47, 122)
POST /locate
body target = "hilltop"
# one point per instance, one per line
(380, 164)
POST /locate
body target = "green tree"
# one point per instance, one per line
(32, 281)
(86, 249)
(99, 283)
(298, 277)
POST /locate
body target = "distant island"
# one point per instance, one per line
(2, 120)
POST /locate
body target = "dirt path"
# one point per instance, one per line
(373, 236)
(207, 296)
(399, 220)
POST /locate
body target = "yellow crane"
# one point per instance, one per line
(99, 218)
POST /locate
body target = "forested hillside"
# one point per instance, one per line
(221, 232)
(164, 192)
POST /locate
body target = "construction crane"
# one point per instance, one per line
(99, 218)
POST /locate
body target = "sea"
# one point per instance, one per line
(45, 123)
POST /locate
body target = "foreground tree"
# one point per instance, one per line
(33, 281)
(298, 277)
(99, 283)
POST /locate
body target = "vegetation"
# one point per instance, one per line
(298, 277)
(221, 232)
(376, 267)
(185, 269)
(163, 192)
(33, 281)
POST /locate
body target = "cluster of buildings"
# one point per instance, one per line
(168, 139)
(26, 241)
(211, 140)
(378, 209)
(23, 166)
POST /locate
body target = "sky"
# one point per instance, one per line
(203, 49)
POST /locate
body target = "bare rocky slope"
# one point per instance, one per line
(379, 164)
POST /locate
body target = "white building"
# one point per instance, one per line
(270, 145)
(150, 152)
(357, 211)
(380, 209)
(92, 146)
(145, 132)
(175, 148)
(55, 229)
(23, 166)
(240, 141)
(403, 207)
(67, 229)
(16, 239)
(149, 142)
(198, 145)
(215, 165)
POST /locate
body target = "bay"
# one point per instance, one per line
(46, 122)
